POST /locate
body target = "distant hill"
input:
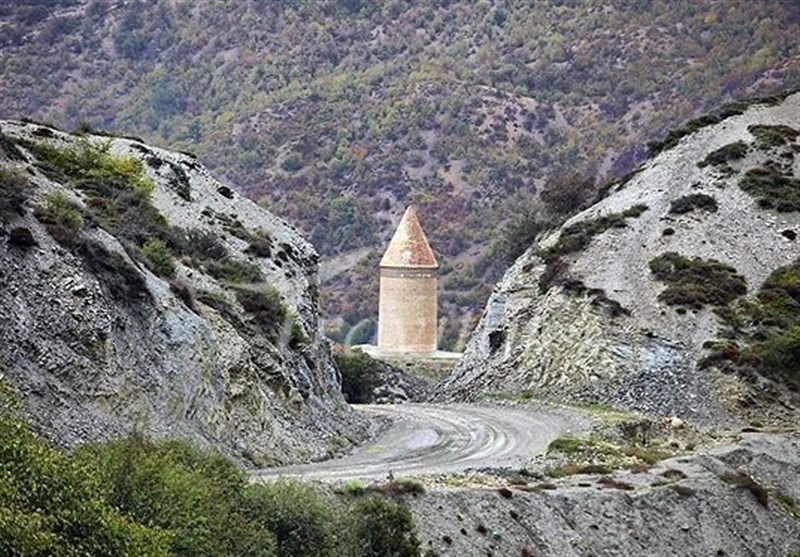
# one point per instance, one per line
(675, 295)
(338, 113)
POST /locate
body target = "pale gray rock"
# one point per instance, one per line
(736, 501)
(91, 366)
(557, 344)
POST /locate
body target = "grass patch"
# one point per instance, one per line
(772, 189)
(696, 282)
(723, 155)
(594, 456)
(789, 503)
(693, 201)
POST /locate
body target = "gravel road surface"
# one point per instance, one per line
(443, 438)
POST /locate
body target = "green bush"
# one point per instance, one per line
(780, 356)
(518, 234)
(696, 282)
(763, 335)
(303, 522)
(54, 505)
(266, 306)
(159, 258)
(383, 529)
(579, 235)
(62, 217)
(117, 190)
(171, 485)
(14, 189)
(691, 202)
(360, 375)
(725, 154)
(772, 189)
(234, 271)
(772, 136)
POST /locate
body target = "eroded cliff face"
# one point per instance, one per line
(578, 317)
(737, 500)
(226, 349)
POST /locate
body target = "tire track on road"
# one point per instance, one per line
(442, 438)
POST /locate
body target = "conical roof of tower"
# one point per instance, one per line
(409, 246)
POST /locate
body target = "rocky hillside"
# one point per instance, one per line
(339, 113)
(736, 501)
(138, 292)
(676, 294)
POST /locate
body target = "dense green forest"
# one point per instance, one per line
(140, 498)
(337, 113)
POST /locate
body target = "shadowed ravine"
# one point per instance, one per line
(442, 438)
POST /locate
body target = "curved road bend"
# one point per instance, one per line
(442, 438)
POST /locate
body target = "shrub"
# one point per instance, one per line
(171, 485)
(579, 235)
(14, 189)
(567, 193)
(63, 212)
(691, 202)
(772, 136)
(205, 245)
(518, 234)
(696, 282)
(138, 497)
(117, 189)
(159, 258)
(780, 356)
(772, 189)
(725, 154)
(53, 505)
(301, 519)
(383, 529)
(360, 375)
(117, 276)
(675, 135)
(266, 307)
(260, 246)
(233, 270)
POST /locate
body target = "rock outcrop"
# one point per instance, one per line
(737, 501)
(582, 316)
(225, 348)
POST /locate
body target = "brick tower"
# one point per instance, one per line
(407, 308)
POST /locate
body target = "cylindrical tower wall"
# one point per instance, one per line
(407, 310)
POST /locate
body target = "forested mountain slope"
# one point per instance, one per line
(338, 113)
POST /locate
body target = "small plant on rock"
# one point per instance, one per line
(159, 258)
(696, 282)
(693, 201)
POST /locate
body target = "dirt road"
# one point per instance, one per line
(441, 438)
